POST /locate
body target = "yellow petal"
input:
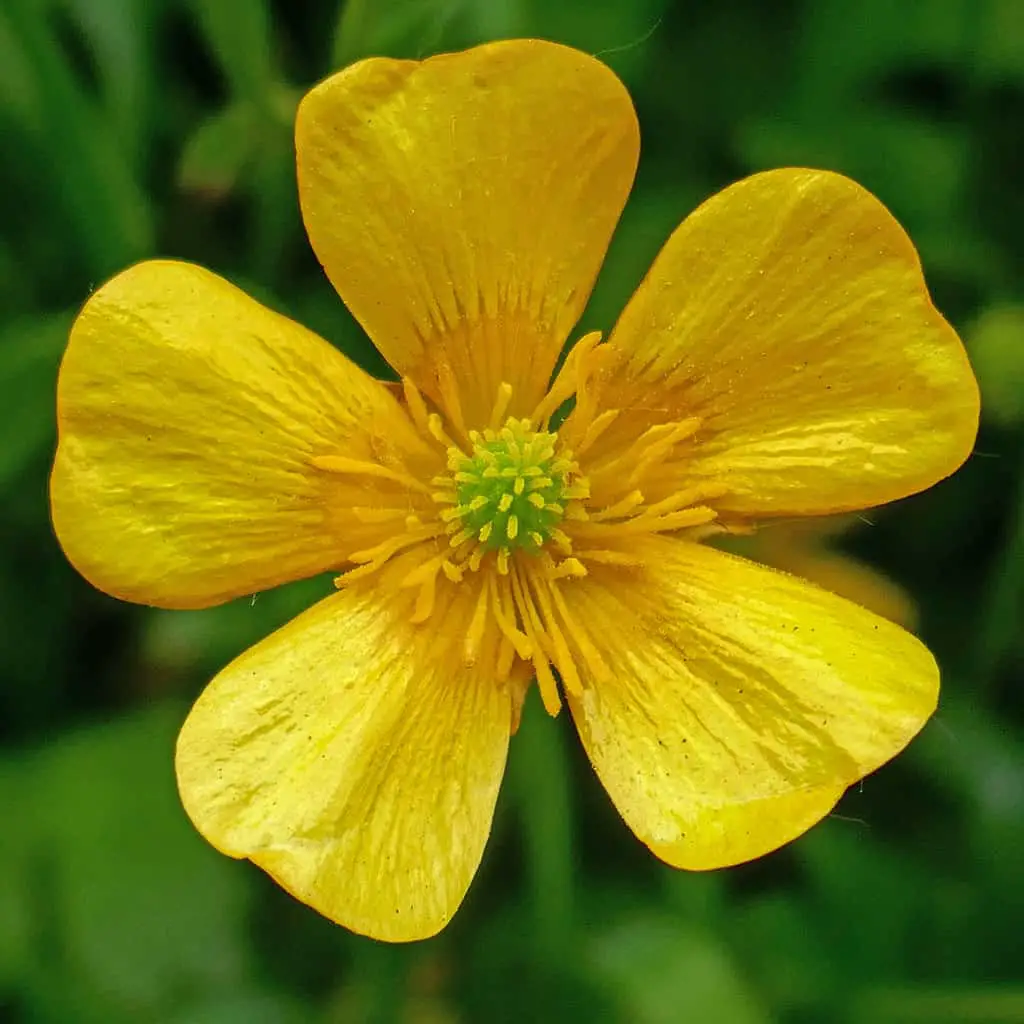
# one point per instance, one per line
(462, 206)
(740, 702)
(352, 763)
(188, 415)
(789, 312)
(794, 550)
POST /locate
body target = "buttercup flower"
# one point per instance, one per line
(781, 358)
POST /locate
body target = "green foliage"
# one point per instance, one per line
(996, 341)
(134, 128)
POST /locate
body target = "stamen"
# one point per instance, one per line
(534, 630)
(378, 515)
(623, 507)
(501, 404)
(650, 448)
(505, 615)
(567, 567)
(417, 407)
(605, 557)
(506, 656)
(436, 429)
(360, 467)
(596, 664)
(475, 633)
(381, 552)
(568, 380)
(660, 447)
(449, 390)
(452, 571)
(563, 657)
(425, 599)
(596, 428)
(643, 523)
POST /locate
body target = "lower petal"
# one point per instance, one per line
(353, 761)
(740, 702)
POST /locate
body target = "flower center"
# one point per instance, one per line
(508, 494)
(511, 505)
(512, 489)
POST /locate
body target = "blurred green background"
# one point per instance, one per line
(133, 128)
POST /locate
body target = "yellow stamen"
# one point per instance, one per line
(501, 404)
(417, 407)
(596, 428)
(360, 467)
(567, 383)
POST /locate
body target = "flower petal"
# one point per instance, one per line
(354, 764)
(798, 553)
(789, 312)
(188, 415)
(740, 702)
(462, 206)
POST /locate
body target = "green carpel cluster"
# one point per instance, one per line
(512, 488)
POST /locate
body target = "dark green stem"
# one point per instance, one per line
(543, 791)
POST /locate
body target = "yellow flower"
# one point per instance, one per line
(781, 358)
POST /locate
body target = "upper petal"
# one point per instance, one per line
(354, 761)
(462, 206)
(790, 314)
(740, 702)
(188, 415)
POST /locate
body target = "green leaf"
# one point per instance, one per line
(30, 350)
(995, 341)
(975, 757)
(126, 900)
(200, 643)
(843, 46)
(660, 970)
(778, 938)
(18, 925)
(19, 97)
(244, 1007)
(875, 937)
(91, 177)
(917, 168)
(239, 33)
(945, 1005)
(651, 215)
(120, 35)
(539, 766)
(397, 28)
(220, 150)
(616, 33)
(1000, 39)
